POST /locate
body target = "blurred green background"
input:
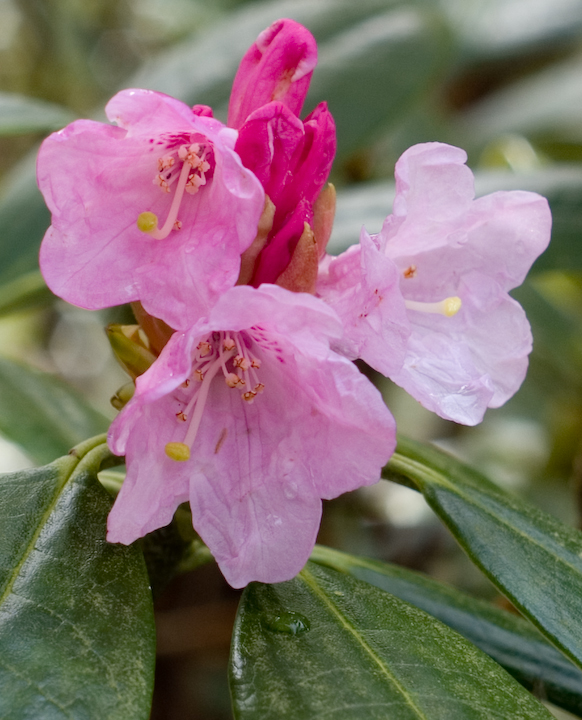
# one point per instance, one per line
(500, 78)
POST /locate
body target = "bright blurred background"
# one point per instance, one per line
(500, 78)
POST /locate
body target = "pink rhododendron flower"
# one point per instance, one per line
(456, 258)
(158, 209)
(251, 417)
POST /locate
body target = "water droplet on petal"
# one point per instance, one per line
(290, 623)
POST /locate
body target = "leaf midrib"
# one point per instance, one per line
(311, 581)
(29, 547)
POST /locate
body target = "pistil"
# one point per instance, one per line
(448, 307)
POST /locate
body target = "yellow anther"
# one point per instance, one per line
(147, 221)
(249, 396)
(228, 344)
(178, 451)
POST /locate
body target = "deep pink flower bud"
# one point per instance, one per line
(278, 66)
(292, 160)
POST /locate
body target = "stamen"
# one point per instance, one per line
(177, 451)
(201, 402)
(154, 231)
(231, 380)
(224, 352)
(204, 347)
(448, 307)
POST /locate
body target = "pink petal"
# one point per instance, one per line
(363, 286)
(278, 66)
(267, 143)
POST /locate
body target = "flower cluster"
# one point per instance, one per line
(252, 409)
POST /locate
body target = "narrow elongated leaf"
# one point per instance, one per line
(76, 622)
(42, 414)
(24, 219)
(372, 72)
(20, 115)
(488, 29)
(375, 58)
(529, 555)
(508, 639)
(327, 645)
(25, 292)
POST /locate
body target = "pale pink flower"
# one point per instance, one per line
(253, 419)
(456, 259)
(157, 209)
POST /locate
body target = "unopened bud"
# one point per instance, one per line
(129, 349)
(123, 396)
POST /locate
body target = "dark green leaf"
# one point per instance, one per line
(42, 414)
(327, 645)
(76, 622)
(20, 115)
(507, 638)
(529, 555)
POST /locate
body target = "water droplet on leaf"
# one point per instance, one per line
(291, 623)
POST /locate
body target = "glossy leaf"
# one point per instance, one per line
(327, 645)
(20, 115)
(42, 414)
(529, 555)
(76, 621)
(369, 205)
(508, 639)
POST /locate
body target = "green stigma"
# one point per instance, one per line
(147, 221)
